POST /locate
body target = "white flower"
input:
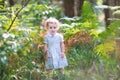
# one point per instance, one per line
(5, 35)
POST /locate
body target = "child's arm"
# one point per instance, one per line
(62, 49)
(45, 51)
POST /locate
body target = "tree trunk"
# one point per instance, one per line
(72, 7)
(108, 12)
(11, 2)
(117, 3)
(68, 7)
(78, 7)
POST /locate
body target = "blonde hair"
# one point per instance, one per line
(52, 20)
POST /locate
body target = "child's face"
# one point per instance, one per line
(52, 28)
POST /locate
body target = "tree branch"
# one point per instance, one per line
(17, 15)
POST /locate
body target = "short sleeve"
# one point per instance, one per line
(61, 38)
(45, 40)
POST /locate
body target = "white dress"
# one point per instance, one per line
(54, 60)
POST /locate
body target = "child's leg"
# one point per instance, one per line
(48, 72)
(51, 74)
(61, 75)
(61, 70)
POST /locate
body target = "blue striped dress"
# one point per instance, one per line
(54, 60)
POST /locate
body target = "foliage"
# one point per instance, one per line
(20, 57)
(112, 30)
(105, 48)
(88, 21)
(18, 47)
(106, 39)
(34, 14)
(82, 55)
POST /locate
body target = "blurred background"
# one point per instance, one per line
(91, 32)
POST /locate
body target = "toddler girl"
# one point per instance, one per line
(54, 47)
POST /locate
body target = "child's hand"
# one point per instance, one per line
(62, 55)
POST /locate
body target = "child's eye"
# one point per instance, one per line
(52, 27)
